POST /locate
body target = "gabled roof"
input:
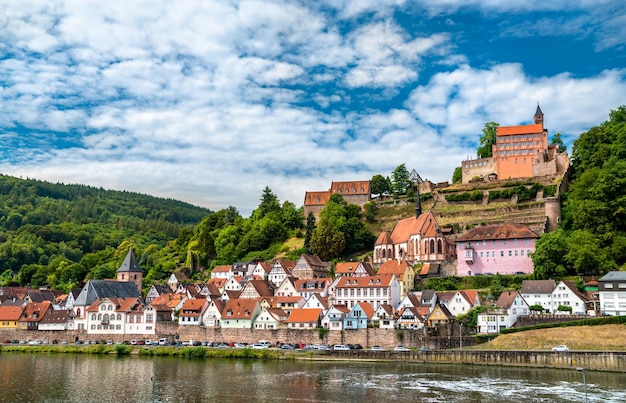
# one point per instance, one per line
(572, 287)
(312, 284)
(121, 304)
(192, 307)
(96, 289)
(366, 308)
(286, 265)
(613, 276)
(308, 315)
(219, 304)
(393, 266)
(538, 286)
(346, 267)
(388, 309)
(425, 225)
(506, 299)
(11, 313)
(225, 268)
(35, 311)
(265, 266)
(278, 314)
(351, 188)
(442, 309)
(364, 282)
(130, 263)
(314, 262)
(497, 232)
(316, 198)
(55, 316)
(445, 296)
(41, 295)
(413, 311)
(161, 289)
(262, 287)
(383, 239)
(239, 309)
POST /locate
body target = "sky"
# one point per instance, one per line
(209, 102)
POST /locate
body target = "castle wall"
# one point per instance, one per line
(478, 168)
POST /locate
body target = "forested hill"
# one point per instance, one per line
(56, 235)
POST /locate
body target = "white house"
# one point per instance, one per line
(567, 295)
(333, 319)
(240, 313)
(375, 290)
(191, 312)
(271, 318)
(539, 292)
(612, 292)
(120, 316)
(213, 313)
(510, 305)
(280, 270)
(384, 317)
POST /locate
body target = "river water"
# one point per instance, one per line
(90, 378)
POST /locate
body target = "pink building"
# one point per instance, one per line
(495, 249)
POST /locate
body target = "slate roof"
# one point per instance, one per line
(55, 316)
(613, 276)
(538, 286)
(130, 263)
(96, 289)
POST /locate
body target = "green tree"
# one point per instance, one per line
(558, 141)
(400, 180)
(370, 211)
(380, 185)
(327, 241)
(457, 176)
(310, 227)
(487, 139)
(549, 255)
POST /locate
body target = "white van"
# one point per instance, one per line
(163, 342)
(261, 344)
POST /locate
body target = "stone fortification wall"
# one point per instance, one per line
(479, 168)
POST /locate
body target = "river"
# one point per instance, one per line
(90, 378)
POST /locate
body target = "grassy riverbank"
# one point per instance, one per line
(578, 338)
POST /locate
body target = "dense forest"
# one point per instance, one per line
(591, 238)
(58, 235)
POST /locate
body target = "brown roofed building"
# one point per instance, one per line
(33, 313)
(314, 202)
(310, 266)
(353, 269)
(10, 316)
(414, 239)
(304, 319)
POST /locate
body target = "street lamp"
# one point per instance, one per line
(460, 336)
(584, 381)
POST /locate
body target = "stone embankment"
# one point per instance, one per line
(588, 360)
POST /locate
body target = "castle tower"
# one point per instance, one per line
(130, 271)
(539, 116)
(553, 212)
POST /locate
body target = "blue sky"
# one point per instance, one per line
(211, 101)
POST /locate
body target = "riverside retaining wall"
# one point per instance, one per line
(589, 360)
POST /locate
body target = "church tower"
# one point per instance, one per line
(539, 116)
(130, 270)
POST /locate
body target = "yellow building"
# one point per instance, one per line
(403, 271)
(9, 316)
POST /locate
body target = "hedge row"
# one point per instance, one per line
(605, 320)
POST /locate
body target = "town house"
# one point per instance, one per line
(281, 269)
(509, 306)
(353, 269)
(309, 266)
(503, 249)
(376, 290)
(612, 293)
(240, 313)
(402, 270)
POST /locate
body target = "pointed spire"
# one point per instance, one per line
(130, 263)
(418, 204)
(538, 115)
(538, 112)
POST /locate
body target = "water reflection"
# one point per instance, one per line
(73, 378)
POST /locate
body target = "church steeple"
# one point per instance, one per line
(539, 116)
(130, 271)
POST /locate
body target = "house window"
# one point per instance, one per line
(501, 253)
(93, 316)
(510, 253)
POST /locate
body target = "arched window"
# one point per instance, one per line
(93, 316)
(432, 246)
(99, 316)
(439, 246)
(119, 316)
(384, 253)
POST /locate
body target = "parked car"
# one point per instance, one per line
(259, 346)
(401, 348)
(560, 348)
(324, 347)
(424, 349)
(341, 347)
(34, 342)
(287, 347)
(377, 348)
(110, 342)
(163, 342)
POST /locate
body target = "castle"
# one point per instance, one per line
(519, 152)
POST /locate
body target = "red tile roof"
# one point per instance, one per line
(309, 315)
(363, 282)
(425, 224)
(316, 198)
(495, 232)
(11, 313)
(525, 129)
(393, 266)
(239, 309)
